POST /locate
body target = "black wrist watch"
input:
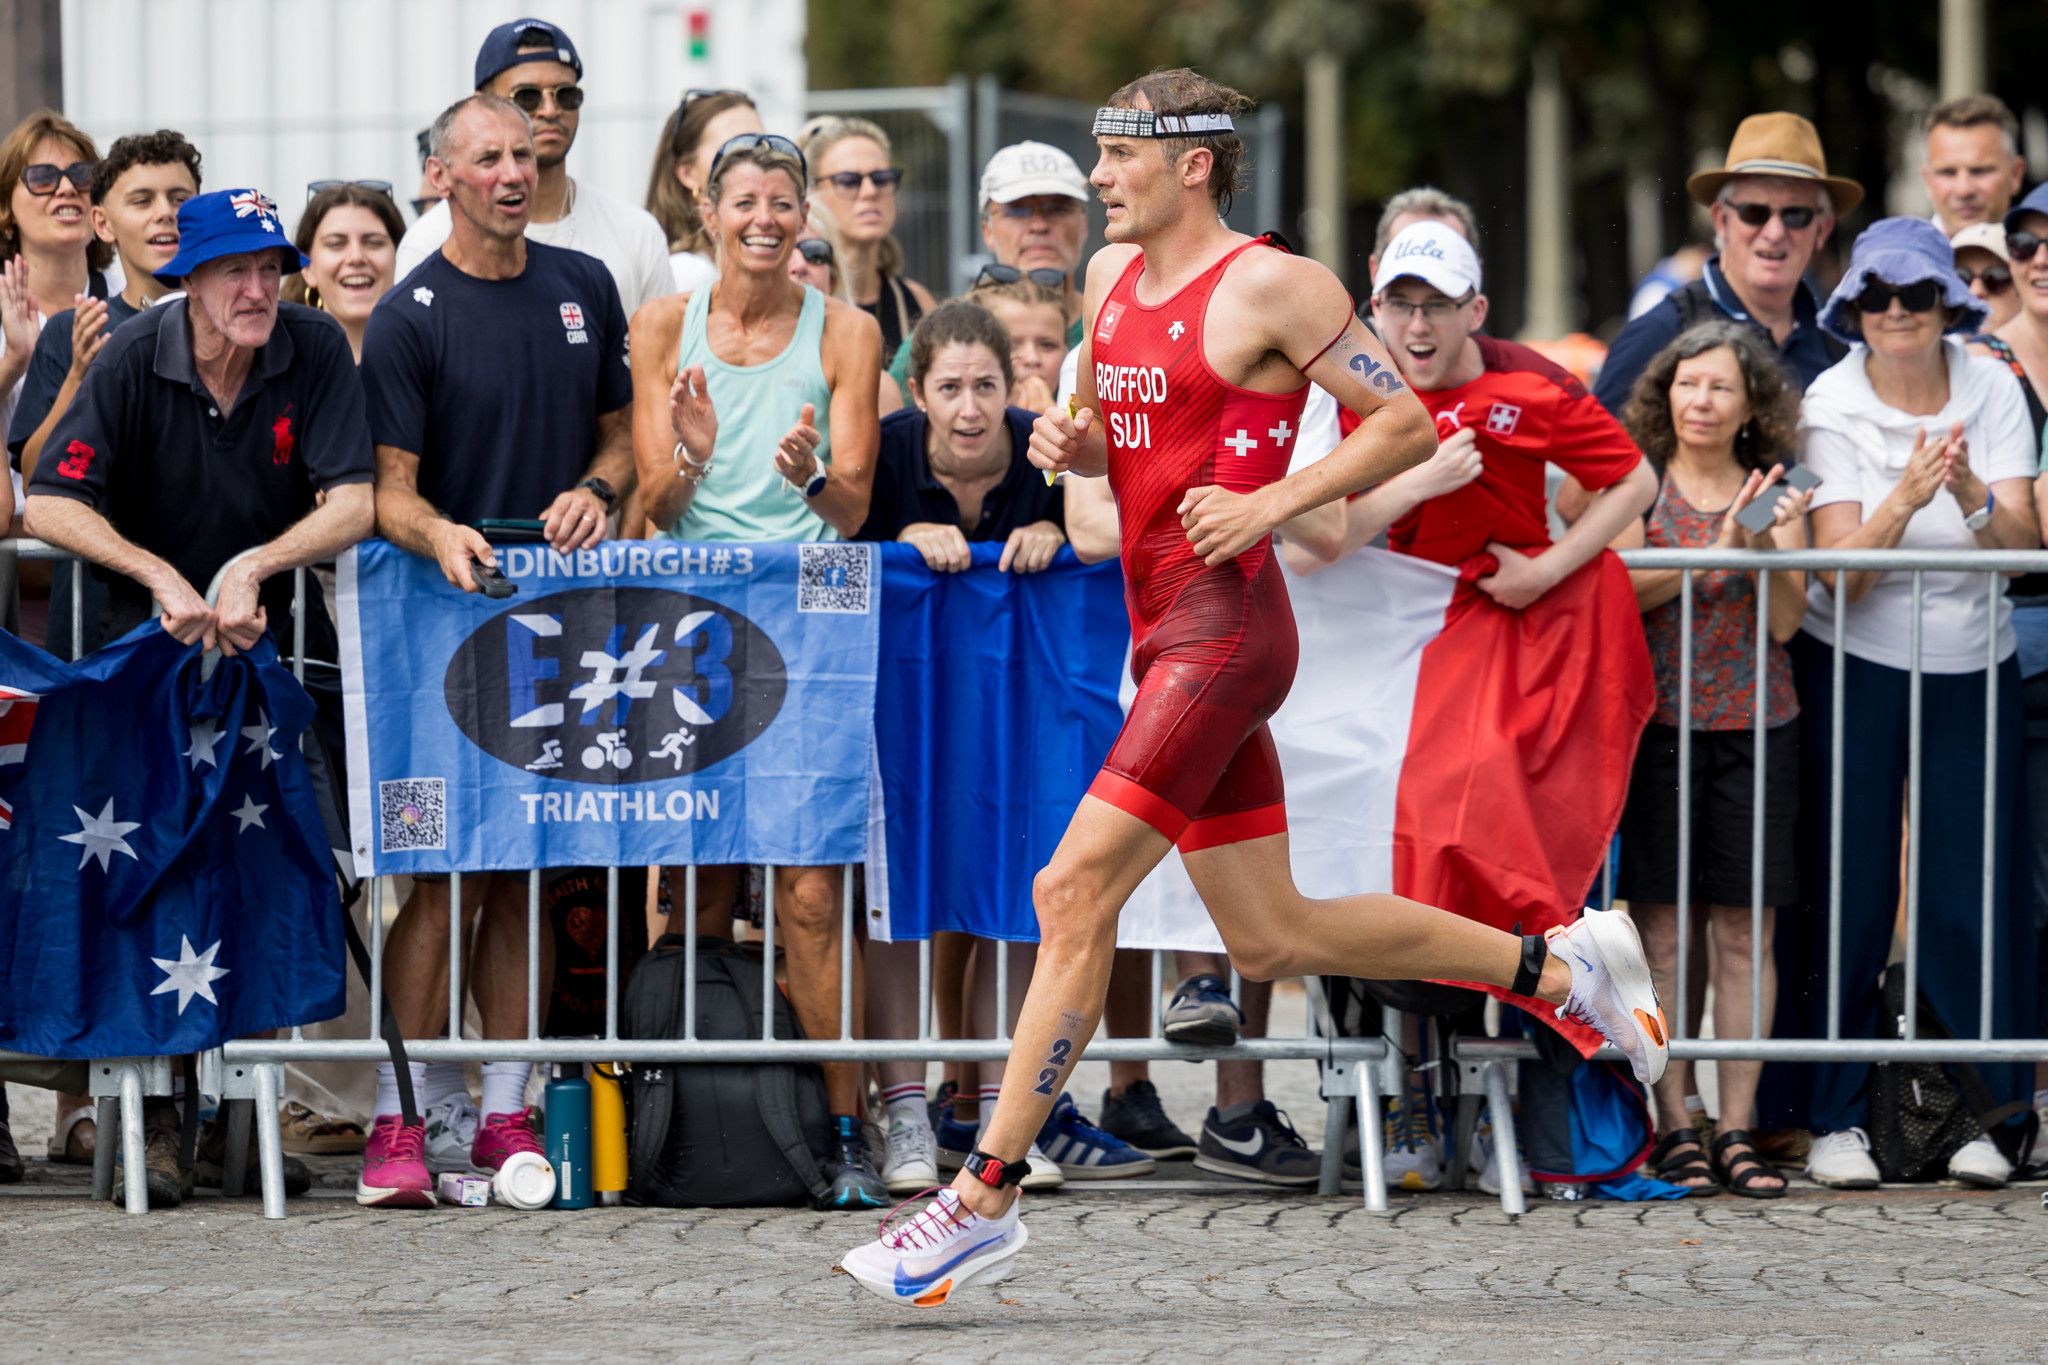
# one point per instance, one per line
(605, 493)
(992, 1171)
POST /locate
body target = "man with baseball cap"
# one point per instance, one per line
(212, 425)
(1034, 220)
(1773, 204)
(532, 63)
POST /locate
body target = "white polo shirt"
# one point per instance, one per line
(1859, 447)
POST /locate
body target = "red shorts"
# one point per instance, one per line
(1195, 760)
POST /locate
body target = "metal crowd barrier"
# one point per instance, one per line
(1356, 1070)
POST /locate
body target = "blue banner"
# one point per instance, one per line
(165, 882)
(996, 705)
(638, 703)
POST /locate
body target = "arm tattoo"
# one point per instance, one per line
(1381, 379)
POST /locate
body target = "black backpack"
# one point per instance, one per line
(1922, 1112)
(714, 1134)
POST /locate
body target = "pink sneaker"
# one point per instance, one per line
(395, 1167)
(502, 1136)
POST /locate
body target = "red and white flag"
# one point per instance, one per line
(17, 718)
(1445, 748)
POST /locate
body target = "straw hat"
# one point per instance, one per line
(1776, 144)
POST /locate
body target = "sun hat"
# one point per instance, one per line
(227, 223)
(1899, 252)
(1776, 144)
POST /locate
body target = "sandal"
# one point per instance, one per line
(308, 1132)
(1678, 1158)
(75, 1136)
(1743, 1171)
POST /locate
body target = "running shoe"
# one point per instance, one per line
(1414, 1142)
(855, 1185)
(1611, 990)
(924, 1260)
(941, 1104)
(451, 1134)
(1257, 1144)
(394, 1166)
(1202, 1012)
(911, 1155)
(1085, 1152)
(1138, 1118)
(955, 1140)
(500, 1137)
(1486, 1156)
(209, 1162)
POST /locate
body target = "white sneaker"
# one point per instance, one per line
(1611, 989)
(1979, 1162)
(451, 1133)
(1841, 1160)
(924, 1260)
(910, 1160)
(1415, 1153)
(1486, 1153)
(1045, 1172)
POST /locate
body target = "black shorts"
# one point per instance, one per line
(1723, 791)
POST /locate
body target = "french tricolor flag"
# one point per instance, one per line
(1442, 747)
(17, 715)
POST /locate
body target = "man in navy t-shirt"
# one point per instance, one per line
(498, 388)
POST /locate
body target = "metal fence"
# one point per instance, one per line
(1357, 1070)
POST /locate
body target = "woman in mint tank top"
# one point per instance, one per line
(754, 420)
(754, 412)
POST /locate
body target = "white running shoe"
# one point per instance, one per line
(1611, 989)
(910, 1160)
(1841, 1160)
(921, 1262)
(1414, 1145)
(1979, 1162)
(451, 1133)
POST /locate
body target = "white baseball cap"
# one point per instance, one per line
(1024, 169)
(1984, 236)
(1434, 253)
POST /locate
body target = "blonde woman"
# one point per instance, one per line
(851, 173)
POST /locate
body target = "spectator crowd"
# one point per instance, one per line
(747, 360)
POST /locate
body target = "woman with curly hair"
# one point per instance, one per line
(1715, 417)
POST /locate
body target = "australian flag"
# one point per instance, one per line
(165, 881)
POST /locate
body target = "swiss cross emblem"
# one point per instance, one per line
(1501, 421)
(572, 316)
(1105, 326)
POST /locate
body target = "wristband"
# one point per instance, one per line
(1535, 952)
(994, 1172)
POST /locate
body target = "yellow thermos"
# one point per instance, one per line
(607, 1133)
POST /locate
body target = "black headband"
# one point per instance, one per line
(1113, 122)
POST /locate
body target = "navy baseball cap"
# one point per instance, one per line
(227, 223)
(500, 51)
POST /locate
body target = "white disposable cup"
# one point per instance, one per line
(525, 1181)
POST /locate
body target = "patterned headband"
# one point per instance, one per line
(1144, 123)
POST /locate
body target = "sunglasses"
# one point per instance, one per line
(997, 273)
(848, 182)
(746, 142)
(1794, 216)
(1919, 297)
(568, 98)
(690, 97)
(1997, 279)
(314, 187)
(2021, 246)
(1039, 206)
(816, 250)
(42, 177)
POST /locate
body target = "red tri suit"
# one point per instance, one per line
(1212, 649)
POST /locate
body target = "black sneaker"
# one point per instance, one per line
(941, 1105)
(1256, 1142)
(1202, 1012)
(209, 1162)
(169, 1185)
(855, 1185)
(1138, 1118)
(11, 1167)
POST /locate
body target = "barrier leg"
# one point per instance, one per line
(109, 1123)
(1500, 1109)
(1372, 1156)
(135, 1177)
(269, 1140)
(234, 1170)
(1462, 1132)
(1335, 1123)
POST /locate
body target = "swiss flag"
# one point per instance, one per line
(1447, 749)
(17, 715)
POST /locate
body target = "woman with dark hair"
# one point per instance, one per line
(349, 236)
(1715, 416)
(704, 121)
(1921, 446)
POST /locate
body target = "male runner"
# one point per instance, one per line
(1200, 422)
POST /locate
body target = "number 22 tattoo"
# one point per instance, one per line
(1056, 1059)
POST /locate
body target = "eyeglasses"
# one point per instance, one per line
(1049, 206)
(848, 182)
(1433, 310)
(1918, 297)
(2021, 246)
(568, 98)
(420, 206)
(995, 272)
(1795, 217)
(815, 250)
(314, 187)
(42, 177)
(1996, 278)
(746, 142)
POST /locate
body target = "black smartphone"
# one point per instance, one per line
(1757, 517)
(511, 528)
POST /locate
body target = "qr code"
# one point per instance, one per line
(413, 814)
(833, 578)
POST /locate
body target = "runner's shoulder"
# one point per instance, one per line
(1289, 293)
(1107, 264)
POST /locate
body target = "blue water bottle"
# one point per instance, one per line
(568, 1107)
